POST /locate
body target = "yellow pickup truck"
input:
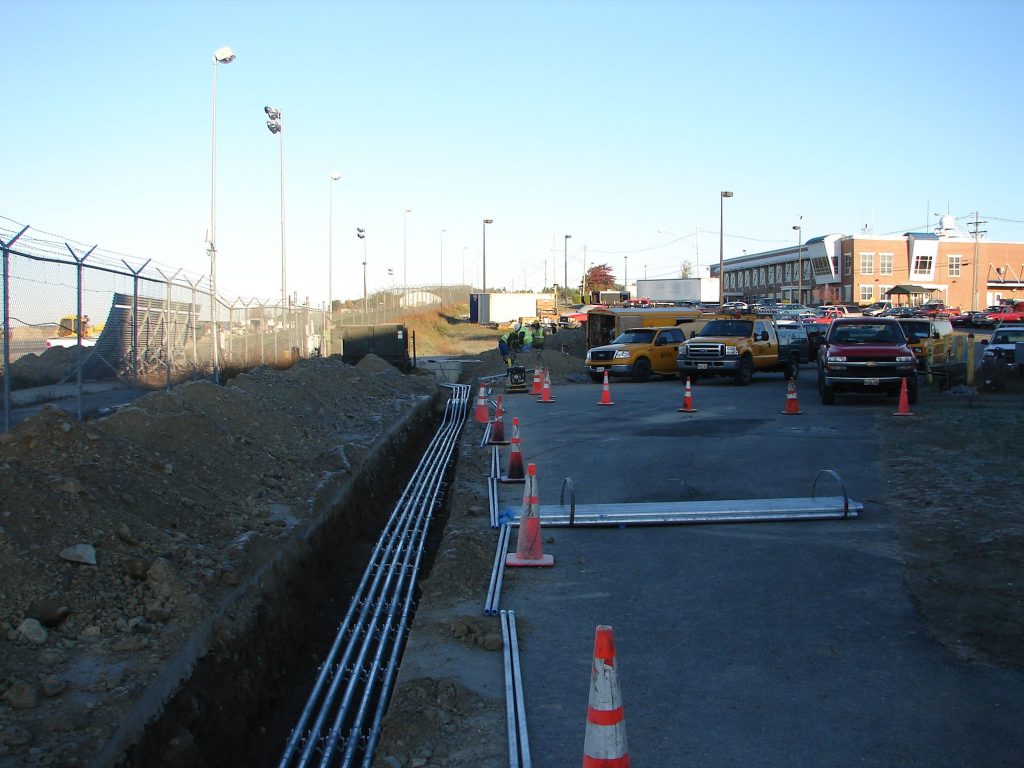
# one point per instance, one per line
(638, 353)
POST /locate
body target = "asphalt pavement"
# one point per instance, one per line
(763, 644)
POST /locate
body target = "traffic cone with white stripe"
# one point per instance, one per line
(604, 745)
(538, 384)
(483, 414)
(792, 404)
(529, 548)
(515, 458)
(606, 393)
(546, 391)
(687, 399)
(498, 426)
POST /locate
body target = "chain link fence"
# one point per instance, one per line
(74, 313)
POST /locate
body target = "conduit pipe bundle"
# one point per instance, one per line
(340, 722)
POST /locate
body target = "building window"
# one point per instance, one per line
(867, 293)
(786, 272)
(922, 265)
(882, 289)
(954, 265)
(867, 263)
(885, 263)
(847, 263)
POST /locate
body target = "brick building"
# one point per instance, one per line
(947, 264)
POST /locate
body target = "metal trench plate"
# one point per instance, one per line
(713, 511)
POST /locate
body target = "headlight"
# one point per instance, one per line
(731, 351)
(904, 358)
(621, 354)
(836, 359)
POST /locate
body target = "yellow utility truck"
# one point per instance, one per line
(637, 353)
(738, 345)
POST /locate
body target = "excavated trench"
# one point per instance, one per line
(233, 695)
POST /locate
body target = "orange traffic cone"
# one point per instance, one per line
(546, 391)
(538, 385)
(904, 409)
(605, 742)
(687, 399)
(606, 393)
(529, 549)
(498, 426)
(483, 414)
(792, 404)
(515, 458)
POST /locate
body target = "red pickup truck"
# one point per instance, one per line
(865, 354)
(1010, 313)
(936, 309)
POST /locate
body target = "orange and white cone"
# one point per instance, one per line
(538, 384)
(529, 548)
(904, 407)
(546, 391)
(605, 745)
(515, 472)
(483, 414)
(498, 426)
(687, 399)
(606, 393)
(792, 404)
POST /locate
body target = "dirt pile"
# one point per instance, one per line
(118, 535)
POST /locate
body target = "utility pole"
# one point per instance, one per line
(974, 270)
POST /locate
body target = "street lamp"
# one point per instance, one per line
(361, 234)
(484, 276)
(405, 262)
(330, 264)
(275, 124)
(721, 248)
(799, 262)
(565, 263)
(222, 55)
(625, 273)
(441, 276)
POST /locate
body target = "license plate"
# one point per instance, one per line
(702, 366)
(871, 382)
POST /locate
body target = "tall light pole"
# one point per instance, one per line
(625, 272)
(441, 275)
(721, 248)
(275, 123)
(565, 264)
(484, 276)
(405, 261)
(361, 234)
(330, 264)
(799, 262)
(222, 55)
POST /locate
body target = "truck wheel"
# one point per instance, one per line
(745, 373)
(792, 367)
(828, 393)
(642, 369)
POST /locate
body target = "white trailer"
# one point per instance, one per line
(678, 289)
(486, 308)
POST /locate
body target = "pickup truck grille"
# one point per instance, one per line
(601, 355)
(703, 351)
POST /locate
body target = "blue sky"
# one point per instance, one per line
(618, 123)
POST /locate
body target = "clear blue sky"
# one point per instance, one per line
(618, 123)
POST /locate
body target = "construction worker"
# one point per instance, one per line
(538, 335)
(509, 343)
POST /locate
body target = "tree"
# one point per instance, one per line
(600, 278)
(686, 269)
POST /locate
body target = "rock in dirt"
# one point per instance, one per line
(79, 553)
(32, 631)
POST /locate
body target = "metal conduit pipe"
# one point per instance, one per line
(377, 639)
(515, 708)
(429, 499)
(497, 572)
(406, 517)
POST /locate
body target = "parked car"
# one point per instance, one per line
(877, 308)
(898, 312)
(577, 317)
(866, 354)
(980, 319)
(1003, 343)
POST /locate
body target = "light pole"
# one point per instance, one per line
(391, 274)
(565, 265)
(405, 262)
(441, 276)
(799, 262)
(361, 234)
(484, 275)
(330, 264)
(721, 248)
(275, 123)
(221, 56)
(625, 272)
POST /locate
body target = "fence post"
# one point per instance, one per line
(78, 322)
(7, 326)
(167, 324)
(135, 319)
(193, 318)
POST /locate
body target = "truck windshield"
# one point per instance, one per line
(728, 328)
(635, 336)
